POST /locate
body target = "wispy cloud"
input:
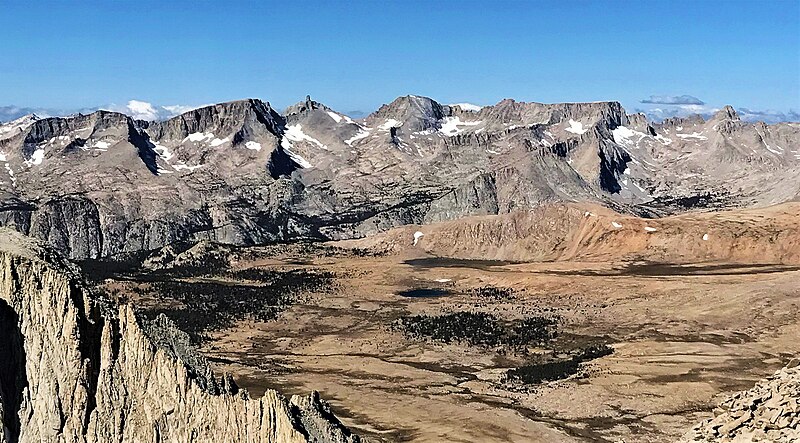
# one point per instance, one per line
(769, 116)
(137, 109)
(8, 113)
(673, 100)
(659, 113)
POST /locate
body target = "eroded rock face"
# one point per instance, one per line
(77, 369)
(768, 412)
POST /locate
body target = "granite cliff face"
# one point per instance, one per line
(75, 368)
(242, 173)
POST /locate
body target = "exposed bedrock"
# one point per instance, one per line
(75, 368)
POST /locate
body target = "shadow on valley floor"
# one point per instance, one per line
(667, 269)
(445, 262)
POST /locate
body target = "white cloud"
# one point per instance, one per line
(142, 110)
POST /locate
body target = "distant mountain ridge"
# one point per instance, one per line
(243, 173)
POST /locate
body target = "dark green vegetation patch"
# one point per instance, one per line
(205, 306)
(556, 369)
(479, 329)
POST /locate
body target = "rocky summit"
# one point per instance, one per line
(243, 173)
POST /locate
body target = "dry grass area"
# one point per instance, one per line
(680, 340)
(684, 332)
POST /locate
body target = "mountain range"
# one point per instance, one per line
(243, 173)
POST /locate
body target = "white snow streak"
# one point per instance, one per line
(359, 135)
(336, 117)
(295, 133)
(287, 148)
(694, 135)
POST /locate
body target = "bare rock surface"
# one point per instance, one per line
(75, 368)
(570, 232)
(769, 412)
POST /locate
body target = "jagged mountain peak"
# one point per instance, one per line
(304, 106)
(413, 113)
(726, 113)
(223, 119)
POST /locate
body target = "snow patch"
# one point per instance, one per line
(390, 123)
(218, 141)
(3, 157)
(36, 158)
(255, 146)
(450, 125)
(199, 136)
(575, 127)
(102, 146)
(624, 135)
(162, 152)
(295, 133)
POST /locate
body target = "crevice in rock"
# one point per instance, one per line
(13, 377)
(281, 165)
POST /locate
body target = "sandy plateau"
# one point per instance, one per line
(687, 326)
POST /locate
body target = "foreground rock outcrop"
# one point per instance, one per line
(75, 368)
(770, 412)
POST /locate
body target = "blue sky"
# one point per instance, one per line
(358, 55)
